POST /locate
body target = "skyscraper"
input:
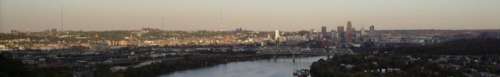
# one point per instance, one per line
(277, 34)
(323, 28)
(340, 36)
(340, 29)
(372, 28)
(324, 34)
(349, 32)
(363, 32)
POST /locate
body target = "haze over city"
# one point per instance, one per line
(249, 38)
(37, 15)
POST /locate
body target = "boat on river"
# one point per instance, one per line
(301, 73)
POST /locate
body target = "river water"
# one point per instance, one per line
(282, 67)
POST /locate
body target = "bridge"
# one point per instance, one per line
(301, 51)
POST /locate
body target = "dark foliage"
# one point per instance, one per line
(14, 68)
(478, 46)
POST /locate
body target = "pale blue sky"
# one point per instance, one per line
(37, 15)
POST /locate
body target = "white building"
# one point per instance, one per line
(277, 34)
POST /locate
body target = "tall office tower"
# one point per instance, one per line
(333, 34)
(372, 35)
(340, 36)
(324, 34)
(349, 32)
(340, 29)
(277, 34)
(372, 28)
(363, 32)
(340, 33)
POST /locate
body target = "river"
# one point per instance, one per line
(281, 67)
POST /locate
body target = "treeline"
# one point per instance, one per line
(14, 68)
(378, 66)
(416, 60)
(465, 46)
(391, 65)
(476, 46)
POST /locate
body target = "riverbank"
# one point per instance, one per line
(275, 67)
(186, 63)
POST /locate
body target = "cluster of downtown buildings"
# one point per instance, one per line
(137, 48)
(341, 37)
(347, 36)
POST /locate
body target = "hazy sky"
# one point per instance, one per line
(37, 15)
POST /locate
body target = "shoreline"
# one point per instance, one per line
(193, 62)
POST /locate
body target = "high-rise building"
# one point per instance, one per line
(340, 33)
(333, 35)
(372, 35)
(340, 29)
(324, 34)
(323, 28)
(349, 32)
(372, 28)
(277, 34)
(363, 32)
(340, 36)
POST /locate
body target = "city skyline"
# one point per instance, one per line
(27, 15)
(249, 38)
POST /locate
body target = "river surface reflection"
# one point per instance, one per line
(282, 67)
